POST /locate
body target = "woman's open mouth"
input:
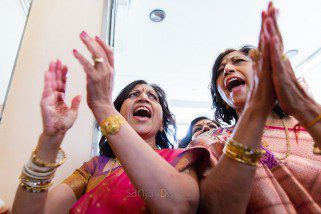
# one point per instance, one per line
(142, 113)
(233, 84)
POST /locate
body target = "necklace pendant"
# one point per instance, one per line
(265, 143)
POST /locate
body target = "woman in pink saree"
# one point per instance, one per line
(137, 171)
(266, 163)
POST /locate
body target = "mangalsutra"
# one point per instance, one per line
(112, 166)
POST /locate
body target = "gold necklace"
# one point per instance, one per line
(112, 166)
(288, 142)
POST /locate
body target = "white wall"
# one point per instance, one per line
(12, 20)
(52, 32)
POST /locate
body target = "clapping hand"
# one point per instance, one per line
(57, 116)
(290, 94)
(100, 75)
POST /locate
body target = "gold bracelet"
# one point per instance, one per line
(61, 158)
(242, 153)
(236, 144)
(316, 150)
(111, 125)
(242, 157)
(234, 156)
(35, 189)
(314, 121)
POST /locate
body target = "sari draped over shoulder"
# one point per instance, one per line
(104, 192)
(292, 185)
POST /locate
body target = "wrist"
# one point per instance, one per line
(307, 112)
(257, 110)
(250, 125)
(48, 146)
(102, 111)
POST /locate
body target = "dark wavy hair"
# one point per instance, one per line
(188, 137)
(222, 113)
(169, 124)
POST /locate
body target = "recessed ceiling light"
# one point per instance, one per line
(157, 15)
(292, 53)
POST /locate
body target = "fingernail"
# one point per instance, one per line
(97, 38)
(65, 69)
(74, 51)
(58, 64)
(52, 66)
(83, 34)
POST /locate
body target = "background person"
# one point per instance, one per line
(198, 126)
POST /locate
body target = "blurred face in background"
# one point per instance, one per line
(202, 126)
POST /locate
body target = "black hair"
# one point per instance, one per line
(169, 124)
(222, 112)
(188, 137)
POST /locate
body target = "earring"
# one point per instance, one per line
(226, 106)
(161, 129)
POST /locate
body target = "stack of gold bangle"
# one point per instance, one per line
(242, 153)
(37, 175)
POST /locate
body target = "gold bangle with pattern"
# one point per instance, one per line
(242, 153)
(61, 158)
(111, 125)
(35, 189)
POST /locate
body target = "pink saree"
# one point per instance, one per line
(116, 194)
(292, 185)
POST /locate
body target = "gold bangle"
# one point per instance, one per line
(241, 157)
(111, 125)
(61, 158)
(234, 156)
(314, 121)
(242, 153)
(35, 189)
(316, 150)
(249, 149)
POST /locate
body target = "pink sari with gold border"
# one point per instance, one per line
(116, 193)
(292, 185)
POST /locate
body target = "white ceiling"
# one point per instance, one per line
(178, 53)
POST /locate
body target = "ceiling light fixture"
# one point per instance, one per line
(291, 53)
(157, 15)
(308, 64)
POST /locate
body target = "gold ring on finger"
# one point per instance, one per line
(255, 54)
(284, 57)
(100, 59)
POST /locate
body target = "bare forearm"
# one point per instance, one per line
(228, 187)
(35, 202)
(158, 183)
(27, 202)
